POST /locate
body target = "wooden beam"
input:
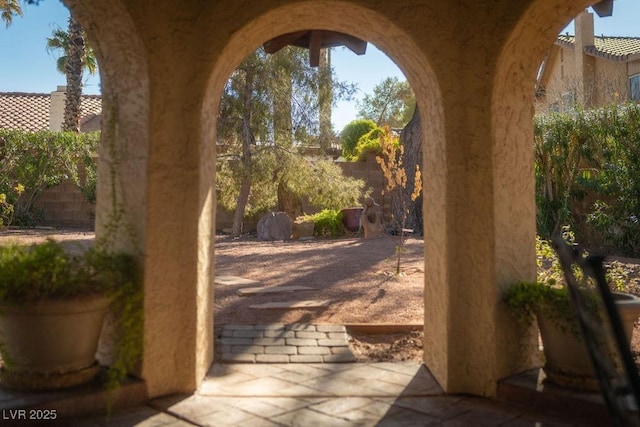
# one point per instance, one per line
(275, 44)
(314, 47)
(357, 46)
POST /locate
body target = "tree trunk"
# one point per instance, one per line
(411, 140)
(73, 71)
(247, 142)
(289, 202)
(325, 99)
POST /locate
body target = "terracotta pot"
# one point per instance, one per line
(567, 361)
(303, 229)
(51, 343)
(351, 218)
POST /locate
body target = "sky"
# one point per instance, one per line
(32, 69)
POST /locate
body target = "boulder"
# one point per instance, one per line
(275, 226)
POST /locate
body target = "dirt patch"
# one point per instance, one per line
(395, 347)
(356, 275)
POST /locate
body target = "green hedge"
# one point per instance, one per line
(32, 162)
(587, 166)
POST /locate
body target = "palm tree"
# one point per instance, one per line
(77, 57)
(9, 8)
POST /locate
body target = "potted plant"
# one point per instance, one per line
(52, 307)
(566, 360)
(547, 302)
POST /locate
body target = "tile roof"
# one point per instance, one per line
(30, 111)
(612, 48)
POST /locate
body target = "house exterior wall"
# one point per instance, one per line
(593, 81)
(163, 67)
(633, 68)
(611, 82)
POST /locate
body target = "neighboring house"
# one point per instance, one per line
(588, 70)
(33, 112)
(62, 205)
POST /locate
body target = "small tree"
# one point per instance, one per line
(391, 163)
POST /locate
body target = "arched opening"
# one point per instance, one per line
(572, 79)
(351, 21)
(351, 17)
(347, 280)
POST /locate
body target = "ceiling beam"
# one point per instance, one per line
(315, 40)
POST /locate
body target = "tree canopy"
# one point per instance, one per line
(9, 9)
(269, 118)
(391, 103)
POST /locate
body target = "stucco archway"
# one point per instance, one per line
(335, 16)
(164, 72)
(124, 141)
(512, 124)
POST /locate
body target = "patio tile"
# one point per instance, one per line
(308, 417)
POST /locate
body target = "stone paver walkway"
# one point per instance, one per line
(279, 343)
(348, 394)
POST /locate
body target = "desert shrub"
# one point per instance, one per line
(327, 223)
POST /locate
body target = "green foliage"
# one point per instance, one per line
(327, 223)
(48, 271)
(352, 133)
(528, 300)
(369, 145)
(595, 154)
(31, 162)
(320, 182)
(58, 45)
(269, 117)
(30, 273)
(391, 104)
(549, 296)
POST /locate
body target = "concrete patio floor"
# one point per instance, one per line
(307, 391)
(338, 394)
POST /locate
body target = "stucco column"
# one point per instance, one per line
(479, 221)
(179, 251)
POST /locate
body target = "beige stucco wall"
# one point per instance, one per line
(594, 81)
(472, 65)
(611, 79)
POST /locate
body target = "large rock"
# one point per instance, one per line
(275, 226)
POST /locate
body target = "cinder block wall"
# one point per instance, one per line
(371, 174)
(65, 206)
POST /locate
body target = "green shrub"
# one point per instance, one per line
(32, 161)
(595, 154)
(369, 145)
(30, 273)
(351, 134)
(327, 223)
(47, 270)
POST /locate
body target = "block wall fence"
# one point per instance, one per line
(64, 205)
